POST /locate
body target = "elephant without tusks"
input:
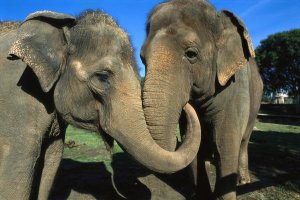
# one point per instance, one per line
(57, 70)
(194, 54)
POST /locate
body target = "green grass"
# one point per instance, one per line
(279, 140)
(267, 126)
(274, 151)
(86, 148)
(89, 146)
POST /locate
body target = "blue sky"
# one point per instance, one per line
(262, 17)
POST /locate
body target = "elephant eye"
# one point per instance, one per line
(103, 76)
(100, 81)
(191, 54)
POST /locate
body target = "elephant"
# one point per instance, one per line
(57, 70)
(8, 25)
(192, 53)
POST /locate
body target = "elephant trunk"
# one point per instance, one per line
(161, 111)
(164, 96)
(136, 139)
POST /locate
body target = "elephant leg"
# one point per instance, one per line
(199, 177)
(18, 165)
(198, 174)
(193, 171)
(255, 98)
(52, 158)
(203, 189)
(226, 156)
(243, 170)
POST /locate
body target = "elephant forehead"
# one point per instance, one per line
(164, 12)
(162, 56)
(79, 70)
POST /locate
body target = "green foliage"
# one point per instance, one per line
(278, 57)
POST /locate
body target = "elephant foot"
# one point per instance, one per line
(243, 179)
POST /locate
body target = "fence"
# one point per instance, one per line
(280, 109)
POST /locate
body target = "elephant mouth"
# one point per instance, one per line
(107, 139)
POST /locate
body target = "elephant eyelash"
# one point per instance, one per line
(100, 81)
(104, 75)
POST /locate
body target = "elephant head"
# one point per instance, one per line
(191, 52)
(88, 65)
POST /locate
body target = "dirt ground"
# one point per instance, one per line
(129, 180)
(274, 171)
(87, 181)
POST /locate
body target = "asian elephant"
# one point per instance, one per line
(194, 54)
(8, 25)
(57, 70)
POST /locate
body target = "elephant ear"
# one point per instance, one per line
(41, 43)
(234, 46)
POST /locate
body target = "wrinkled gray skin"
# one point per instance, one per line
(197, 55)
(8, 25)
(56, 70)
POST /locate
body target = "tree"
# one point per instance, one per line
(278, 58)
